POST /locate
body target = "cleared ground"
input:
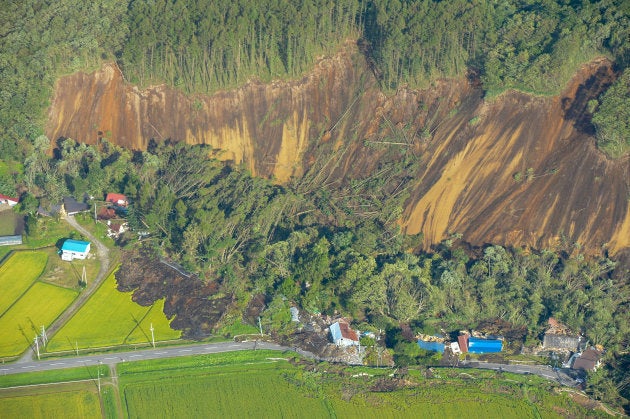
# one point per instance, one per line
(110, 318)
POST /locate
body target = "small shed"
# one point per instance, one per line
(343, 335)
(74, 249)
(484, 346)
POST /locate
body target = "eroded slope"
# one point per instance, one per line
(518, 170)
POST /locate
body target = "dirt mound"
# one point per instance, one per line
(194, 307)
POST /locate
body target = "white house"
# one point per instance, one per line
(74, 249)
(342, 335)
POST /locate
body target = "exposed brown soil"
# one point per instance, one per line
(195, 307)
(518, 170)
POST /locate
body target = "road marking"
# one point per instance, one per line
(106, 359)
(58, 363)
(160, 353)
(234, 346)
(29, 366)
(134, 356)
(185, 350)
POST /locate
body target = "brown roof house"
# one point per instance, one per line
(589, 360)
(342, 335)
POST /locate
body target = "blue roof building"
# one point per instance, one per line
(484, 346)
(431, 346)
(74, 249)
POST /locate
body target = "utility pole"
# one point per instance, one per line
(152, 336)
(37, 347)
(98, 374)
(84, 277)
(76, 347)
(44, 337)
(260, 326)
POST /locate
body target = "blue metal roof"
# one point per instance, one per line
(431, 346)
(75, 246)
(482, 346)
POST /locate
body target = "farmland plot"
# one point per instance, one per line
(39, 306)
(55, 403)
(17, 274)
(247, 393)
(110, 318)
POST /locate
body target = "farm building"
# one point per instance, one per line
(74, 249)
(72, 206)
(117, 199)
(8, 200)
(342, 335)
(484, 346)
(431, 346)
(10, 240)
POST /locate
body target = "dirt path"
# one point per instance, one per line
(102, 253)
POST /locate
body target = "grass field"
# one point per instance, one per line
(111, 318)
(17, 274)
(7, 223)
(40, 305)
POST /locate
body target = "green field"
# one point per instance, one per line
(17, 274)
(40, 305)
(58, 403)
(111, 318)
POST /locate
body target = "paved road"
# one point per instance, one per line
(544, 371)
(102, 253)
(157, 353)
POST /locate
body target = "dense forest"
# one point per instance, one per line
(200, 46)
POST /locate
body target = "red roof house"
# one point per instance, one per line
(4, 199)
(117, 199)
(462, 340)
